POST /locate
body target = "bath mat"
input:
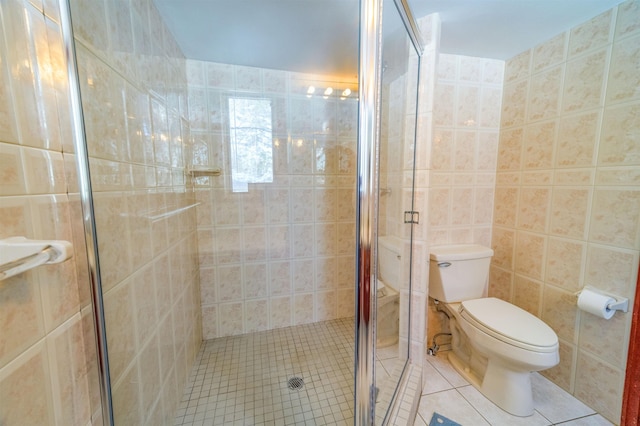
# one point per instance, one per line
(440, 420)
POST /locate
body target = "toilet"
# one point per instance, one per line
(495, 345)
(388, 299)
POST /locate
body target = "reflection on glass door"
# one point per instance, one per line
(399, 92)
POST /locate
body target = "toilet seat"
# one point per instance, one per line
(509, 324)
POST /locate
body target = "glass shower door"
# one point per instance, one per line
(389, 64)
(398, 103)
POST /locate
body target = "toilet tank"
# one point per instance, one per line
(459, 272)
(390, 260)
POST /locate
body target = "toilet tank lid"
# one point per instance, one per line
(460, 252)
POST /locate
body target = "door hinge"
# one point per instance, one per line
(411, 217)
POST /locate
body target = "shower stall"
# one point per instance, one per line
(225, 217)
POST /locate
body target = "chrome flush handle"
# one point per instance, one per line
(444, 264)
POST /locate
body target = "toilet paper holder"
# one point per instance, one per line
(620, 304)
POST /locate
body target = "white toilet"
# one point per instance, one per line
(496, 345)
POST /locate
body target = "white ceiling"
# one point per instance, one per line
(321, 36)
(500, 29)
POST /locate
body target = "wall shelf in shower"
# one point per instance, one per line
(204, 171)
(19, 254)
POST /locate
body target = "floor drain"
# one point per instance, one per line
(295, 383)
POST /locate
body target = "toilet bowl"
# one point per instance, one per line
(388, 316)
(512, 343)
(387, 297)
(496, 345)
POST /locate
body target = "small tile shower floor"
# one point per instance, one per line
(243, 380)
(449, 394)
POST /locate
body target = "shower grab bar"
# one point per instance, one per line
(19, 254)
(171, 213)
(157, 217)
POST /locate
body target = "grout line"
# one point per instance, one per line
(471, 404)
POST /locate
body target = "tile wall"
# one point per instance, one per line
(466, 126)
(430, 30)
(281, 253)
(567, 203)
(464, 151)
(48, 372)
(133, 83)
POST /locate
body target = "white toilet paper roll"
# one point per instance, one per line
(596, 303)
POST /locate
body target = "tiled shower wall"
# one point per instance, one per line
(281, 253)
(567, 206)
(133, 82)
(47, 356)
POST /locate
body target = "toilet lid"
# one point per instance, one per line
(510, 324)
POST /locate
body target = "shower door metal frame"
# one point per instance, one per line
(88, 212)
(368, 119)
(369, 88)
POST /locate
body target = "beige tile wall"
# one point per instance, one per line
(133, 83)
(282, 253)
(464, 152)
(430, 29)
(466, 121)
(567, 203)
(47, 358)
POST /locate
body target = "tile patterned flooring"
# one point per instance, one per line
(447, 393)
(242, 380)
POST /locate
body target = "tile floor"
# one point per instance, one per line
(388, 370)
(447, 393)
(243, 380)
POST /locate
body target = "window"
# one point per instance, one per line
(250, 138)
